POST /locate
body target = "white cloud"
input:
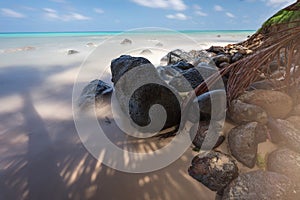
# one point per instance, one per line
(53, 14)
(276, 3)
(11, 13)
(99, 10)
(218, 8)
(178, 16)
(165, 4)
(200, 13)
(230, 15)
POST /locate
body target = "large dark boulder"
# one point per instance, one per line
(215, 170)
(138, 88)
(260, 185)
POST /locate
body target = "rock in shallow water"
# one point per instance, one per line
(243, 142)
(275, 103)
(138, 87)
(260, 185)
(285, 161)
(215, 170)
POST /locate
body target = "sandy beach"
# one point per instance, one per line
(41, 154)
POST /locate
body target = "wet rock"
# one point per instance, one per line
(159, 44)
(275, 103)
(210, 138)
(71, 52)
(260, 185)
(204, 102)
(175, 56)
(181, 66)
(127, 73)
(286, 162)
(90, 44)
(236, 57)
(94, 92)
(126, 42)
(146, 52)
(242, 113)
(215, 170)
(283, 131)
(221, 59)
(243, 142)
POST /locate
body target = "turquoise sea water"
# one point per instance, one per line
(112, 33)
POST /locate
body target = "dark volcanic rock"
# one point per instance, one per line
(241, 113)
(243, 142)
(285, 161)
(260, 185)
(93, 92)
(283, 131)
(211, 141)
(215, 170)
(216, 49)
(236, 57)
(138, 87)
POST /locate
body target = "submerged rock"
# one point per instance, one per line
(215, 139)
(127, 73)
(72, 51)
(146, 52)
(242, 113)
(260, 185)
(243, 142)
(215, 170)
(94, 92)
(286, 162)
(283, 131)
(275, 103)
(126, 42)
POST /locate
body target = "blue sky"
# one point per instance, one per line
(108, 15)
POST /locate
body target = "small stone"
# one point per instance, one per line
(215, 170)
(71, 52)
(260, 185)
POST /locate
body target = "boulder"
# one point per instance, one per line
(221, 59)
(210, 138)
(216, 49)
(242, 113)
(236, 57)
(275, 103)
(215, 170)
(94, 91)
(283, 131)
(138, 87)
(286, 162)
(243, 142)
(260, 185)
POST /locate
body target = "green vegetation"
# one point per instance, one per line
(261, 161)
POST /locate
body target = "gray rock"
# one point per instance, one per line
(236, 57)
(138, 87)
(221, 58)
(243, 142)
(283, 131)
(159, 44)
(215, 170)
(286, 162)
(242, 113)
(146, 52)
(94, 91)
(216, 49)
(210, 138)
(260, 185)
(126, 42)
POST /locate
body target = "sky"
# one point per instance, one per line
(121, 15)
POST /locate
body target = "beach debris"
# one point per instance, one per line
(276, 104)
(260, 185)
(126, 42)
(214, 169)
(146, 52)
(72, 51)
(285, 161)
(138, 102)
(202, 130)
(241, 113)
(93, 93)
(283, 131)
(243, 142)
